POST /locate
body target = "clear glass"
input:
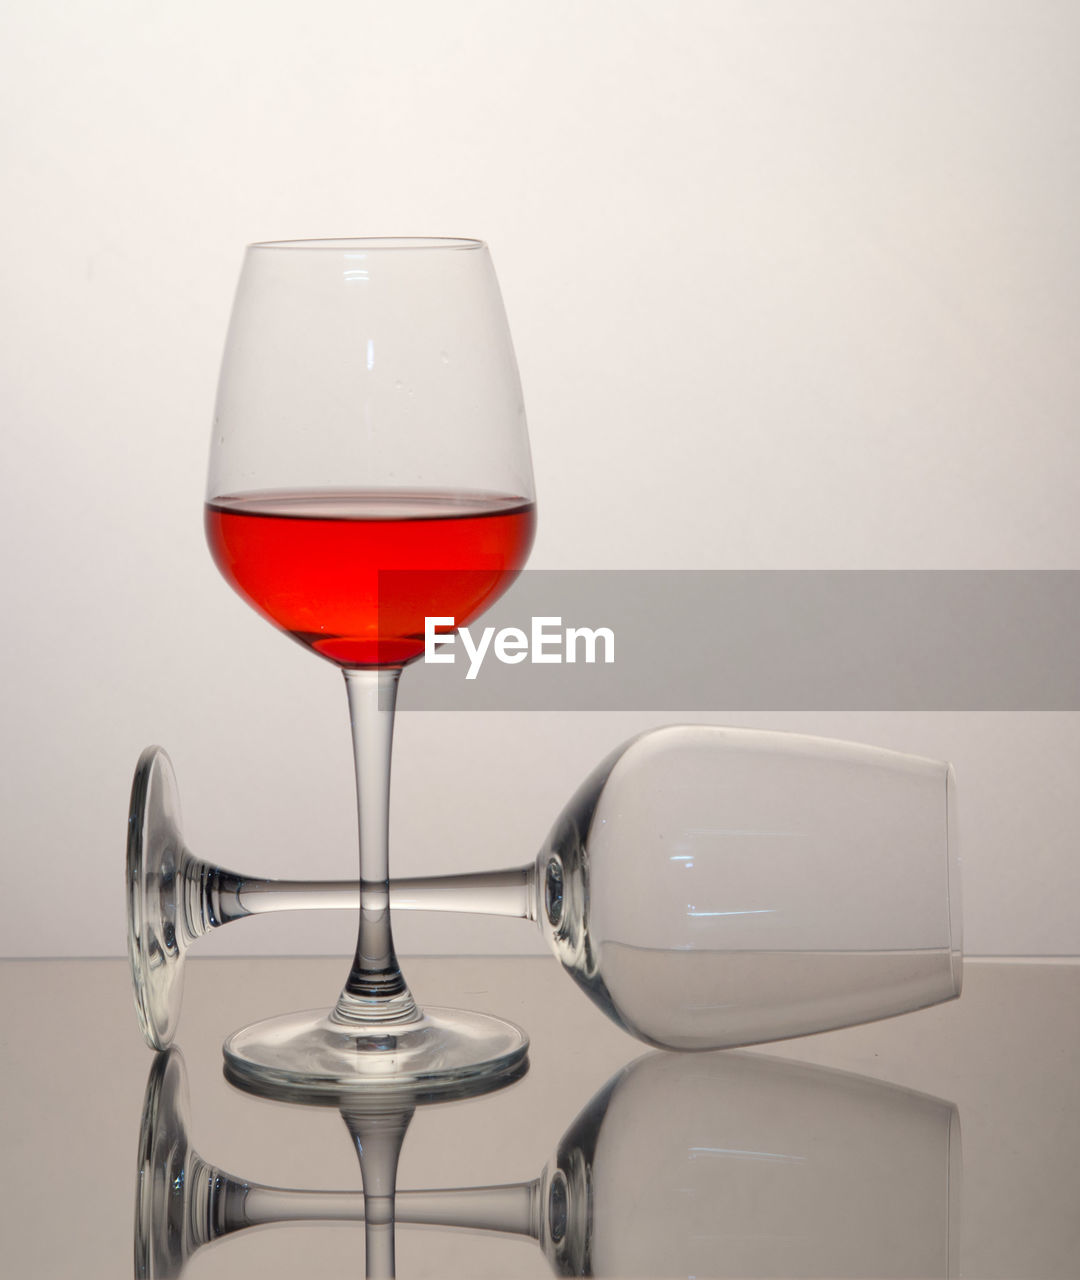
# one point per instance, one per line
(707, 887)
(369, 417)
(727, 1164)
(761, 886)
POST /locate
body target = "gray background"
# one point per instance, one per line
(792, 285)
(822, 640)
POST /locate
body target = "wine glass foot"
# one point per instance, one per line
(446, 1053)
(156, 861)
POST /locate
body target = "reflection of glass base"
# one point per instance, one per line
(166, 1233)
(158, 869)
(183, 1201)
(447, 1052)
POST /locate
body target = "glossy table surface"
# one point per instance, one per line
(942, 1142)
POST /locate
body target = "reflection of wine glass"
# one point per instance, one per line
(705, 886)
(182, 1202)
(756, 1167)
(717, 1164)
(369, 418)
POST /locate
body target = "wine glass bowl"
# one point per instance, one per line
(369, 419)
(712, 887)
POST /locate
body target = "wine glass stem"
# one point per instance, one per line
(223, 896)
(376, 993)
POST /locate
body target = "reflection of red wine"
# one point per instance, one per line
(310, 562)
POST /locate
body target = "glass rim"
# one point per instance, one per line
(372, 243)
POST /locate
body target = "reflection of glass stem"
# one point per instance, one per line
(220, 1205)
(378, 1140)
(184, 1202)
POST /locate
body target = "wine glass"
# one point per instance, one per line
(369, 419)
(705, 886)
(724, 1164)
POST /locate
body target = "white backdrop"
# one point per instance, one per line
(793, 284)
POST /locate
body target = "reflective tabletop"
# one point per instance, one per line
(942, 1142)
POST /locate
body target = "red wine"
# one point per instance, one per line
(310, 562)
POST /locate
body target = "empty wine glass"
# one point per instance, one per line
(705, 886)
(369, 419)
(727, 1164)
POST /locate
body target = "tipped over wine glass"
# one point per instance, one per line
(705, 886)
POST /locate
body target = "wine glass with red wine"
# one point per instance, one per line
(369, 421)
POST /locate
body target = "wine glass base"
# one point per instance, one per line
(154, 870)
(446, 1053)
